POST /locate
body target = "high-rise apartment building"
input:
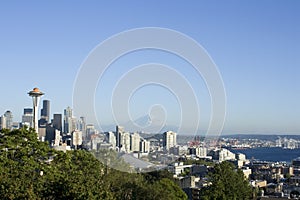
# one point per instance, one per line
(169, 140)
(111, 138)
(144, 146)
(125, 142)
(135, 142)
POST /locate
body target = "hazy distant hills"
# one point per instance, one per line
(183, 139)
(152, 128)
(261, 136)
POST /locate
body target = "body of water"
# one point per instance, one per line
(270, 154)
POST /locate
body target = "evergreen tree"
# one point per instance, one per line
(227, 184)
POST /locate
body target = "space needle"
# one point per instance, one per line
(35, 94)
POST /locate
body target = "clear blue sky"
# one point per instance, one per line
(255, 44)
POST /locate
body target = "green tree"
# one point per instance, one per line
(227, 183)
(30, 169)
(167, 189)
(157, 175)
(23, 161)
(162, 185)
(79, 176)
(198, 162)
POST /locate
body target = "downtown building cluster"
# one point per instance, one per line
(60, 132)
(66, 132)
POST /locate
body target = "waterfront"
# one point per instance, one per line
(270, 154)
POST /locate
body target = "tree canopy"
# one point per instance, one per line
(30, 169)
(227, 183)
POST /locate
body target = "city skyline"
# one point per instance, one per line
(254, 44)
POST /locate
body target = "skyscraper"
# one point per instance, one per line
(135, 142)
(82, 126)
(45, 111)
(73, 124)
(27, 117)
(111, 138)
(169, 140)
(125, 142)
(144, 146)
(119, 132)
(68, 120)
(57, 122)
(9, 119)
(90, 130)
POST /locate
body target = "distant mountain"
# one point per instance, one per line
(143, 121)
(146, 124)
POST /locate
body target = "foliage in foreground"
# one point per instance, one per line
(29, 169)
(227, 183)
